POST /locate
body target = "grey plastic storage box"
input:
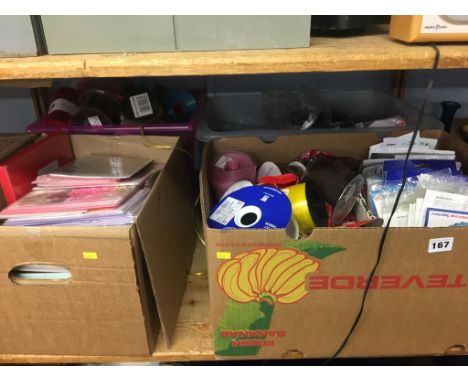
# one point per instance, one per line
(241, 32)
(247, 114)
(108, 34)
(20, 36)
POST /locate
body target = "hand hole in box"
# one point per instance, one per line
(455, 350)
(34, 274)
(268, 139)
(293, 354)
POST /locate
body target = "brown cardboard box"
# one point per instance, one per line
(429, 28)
(127, 282)
(270, 299)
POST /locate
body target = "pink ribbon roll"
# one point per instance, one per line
(230, 168)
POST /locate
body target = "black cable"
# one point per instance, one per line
(395, 206)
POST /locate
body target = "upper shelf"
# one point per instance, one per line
(371, 52)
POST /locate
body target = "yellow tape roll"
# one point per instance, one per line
(300, 208)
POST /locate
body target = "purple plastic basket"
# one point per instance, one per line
(185, 130)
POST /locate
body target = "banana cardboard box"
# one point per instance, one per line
(274, 297)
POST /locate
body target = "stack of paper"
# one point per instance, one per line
(93, 190)
(396, 148)
(56, 181)
(122, 215)
(436, 193)
(441, 209)
(102, 167)
(432, 209)
(428, 200)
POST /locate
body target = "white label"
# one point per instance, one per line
(94, 121)
(445, 218)
(227, 210)
(63, 105)
(441, 244)
(444, 24)
(222, 162)
(48, 168)
(141, 105)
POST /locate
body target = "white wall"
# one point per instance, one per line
(449, 85)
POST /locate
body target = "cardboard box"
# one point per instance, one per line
(126, 283)
(272, 296)
(429, 28)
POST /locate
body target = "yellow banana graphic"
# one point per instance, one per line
(271, 274)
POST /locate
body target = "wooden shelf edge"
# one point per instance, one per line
(372, 52)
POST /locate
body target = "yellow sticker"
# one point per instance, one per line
(90, 255)
(223, 255)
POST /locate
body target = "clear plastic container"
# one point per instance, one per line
(268, 115)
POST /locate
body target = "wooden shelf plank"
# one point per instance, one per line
(192, 339)
(370, 52)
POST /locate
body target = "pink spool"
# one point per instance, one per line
(230, 168)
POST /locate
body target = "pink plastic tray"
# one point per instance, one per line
(185, 130)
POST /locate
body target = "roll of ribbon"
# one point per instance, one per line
(292, 229)
(237, 186)
(308, 206)
(297, 168)
(141, 105)
(259, 207)
(230, 168)
(64, 104)
(332, 174)
(268, 169)
(107, 103)
(91, 116)
(179, 105)
(279, 181)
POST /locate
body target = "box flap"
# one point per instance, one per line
(148, 301)
(286, 148)
(126, 145)
(168, 238)
(11, 143)
(3, 203)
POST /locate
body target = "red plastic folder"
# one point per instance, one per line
(18, 171)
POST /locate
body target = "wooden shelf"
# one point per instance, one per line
(192, 339)
(372, 52)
